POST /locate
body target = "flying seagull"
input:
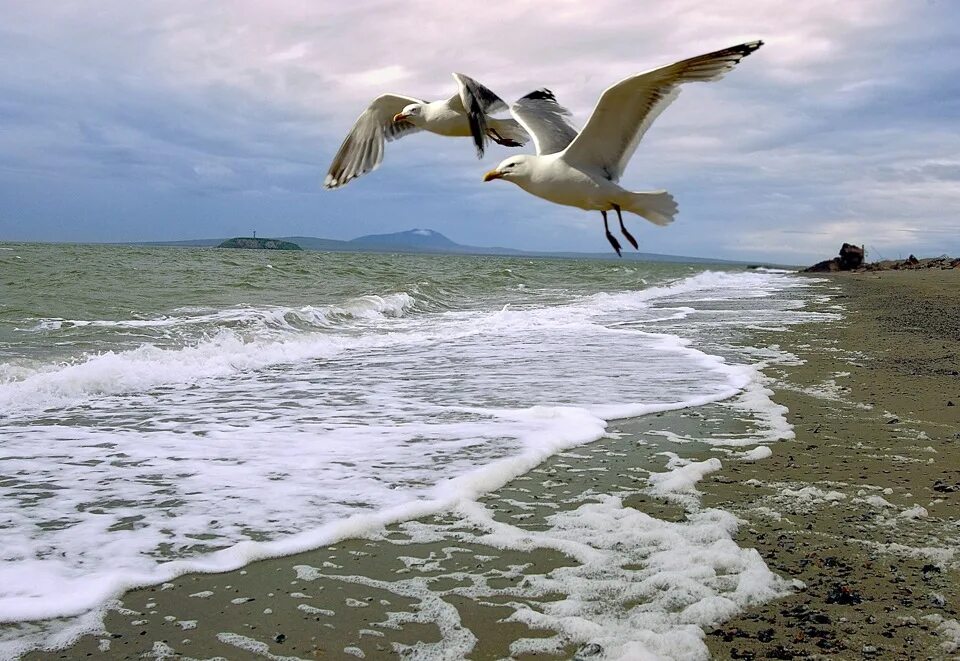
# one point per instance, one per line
(582, 170)
(392, 116)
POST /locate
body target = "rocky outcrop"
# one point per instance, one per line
(249, 243)
(912, 263)
(851, 258)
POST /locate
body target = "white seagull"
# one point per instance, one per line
(582, 170)
(391, 116)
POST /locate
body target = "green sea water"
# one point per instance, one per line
(165, 410)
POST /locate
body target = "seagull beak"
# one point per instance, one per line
(493, 174)
(399, 117)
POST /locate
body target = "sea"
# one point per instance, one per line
(171, 410)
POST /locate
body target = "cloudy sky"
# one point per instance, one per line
(127, 121)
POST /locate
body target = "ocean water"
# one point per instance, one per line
(169, 410)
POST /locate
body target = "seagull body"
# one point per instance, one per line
(552, 178)
(390, 116)
(582, 169)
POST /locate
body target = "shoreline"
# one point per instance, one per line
(872, 526)
(333, 602)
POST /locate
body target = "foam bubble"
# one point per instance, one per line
(133, 466)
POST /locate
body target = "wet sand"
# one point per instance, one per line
(862, 507)
(876, 411)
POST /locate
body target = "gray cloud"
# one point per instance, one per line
(217, 114)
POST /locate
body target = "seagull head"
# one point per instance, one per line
(515, 168)
(412, 113)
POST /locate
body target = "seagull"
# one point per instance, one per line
(582, 169)
(392, 116)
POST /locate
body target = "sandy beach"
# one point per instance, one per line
(857, 514)
(871, 524)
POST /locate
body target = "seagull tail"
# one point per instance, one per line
(658, 207)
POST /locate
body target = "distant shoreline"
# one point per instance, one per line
(313, 244)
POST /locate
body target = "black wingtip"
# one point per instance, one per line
(478, 131)
(542, 94)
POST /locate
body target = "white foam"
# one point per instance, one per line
(812, 494)
(949, 629)
(915, 512)
(185, 453)
(877, 501)
(638, 587)
(756, 454)
(679, 483)
(252, 646)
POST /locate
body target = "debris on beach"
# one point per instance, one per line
(852, 258)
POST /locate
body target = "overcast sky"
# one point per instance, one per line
(126, 121)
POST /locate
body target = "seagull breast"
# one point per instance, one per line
(551, 178)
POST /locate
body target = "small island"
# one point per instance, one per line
(253, 243)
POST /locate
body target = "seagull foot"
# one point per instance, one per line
(500, 140)
(613, 242)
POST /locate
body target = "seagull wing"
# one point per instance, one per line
(477, 102)
(362, 149)
(545, 120)
(626, 110)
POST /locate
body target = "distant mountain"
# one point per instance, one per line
(423, 239)
(431, 241)
(415, 240)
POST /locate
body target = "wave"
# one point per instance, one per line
(239, 340)
(377, 415)
(364, 307)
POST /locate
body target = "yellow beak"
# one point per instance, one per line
(399, 117)
(493, 174)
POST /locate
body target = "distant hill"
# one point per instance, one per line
(433, 242)
(250, 243)
(423, 239)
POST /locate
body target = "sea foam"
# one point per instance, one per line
(274, 432)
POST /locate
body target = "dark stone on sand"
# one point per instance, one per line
(942, 487)
(782, 652)
(843, 594)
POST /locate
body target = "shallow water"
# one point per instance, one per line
(170, 410)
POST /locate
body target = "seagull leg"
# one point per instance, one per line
(500, 140)
(633, 241)
(610, 237)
